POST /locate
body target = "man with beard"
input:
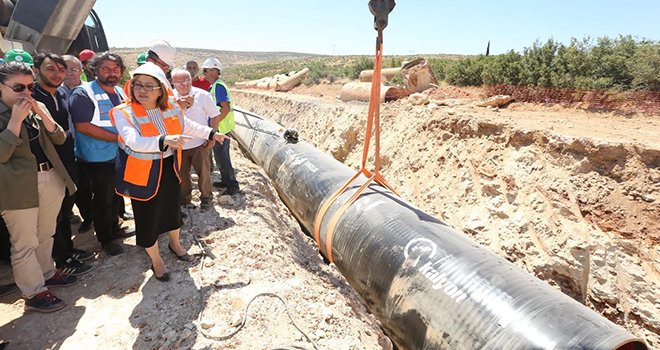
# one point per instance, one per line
(193, 68)
(96, 143)
(50, 70)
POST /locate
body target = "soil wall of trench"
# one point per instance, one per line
(579, 213)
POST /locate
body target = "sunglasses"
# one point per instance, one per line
(21, 87)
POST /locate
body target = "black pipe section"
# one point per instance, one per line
(429, 285)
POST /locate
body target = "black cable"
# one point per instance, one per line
(244, 318)
(290, 135)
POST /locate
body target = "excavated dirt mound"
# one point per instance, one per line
(572, 197)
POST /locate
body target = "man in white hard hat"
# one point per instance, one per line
(224, 123)
(161, 53)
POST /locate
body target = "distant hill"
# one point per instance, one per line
(228, 58)
(243, 65)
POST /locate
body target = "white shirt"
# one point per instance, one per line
(201, 112)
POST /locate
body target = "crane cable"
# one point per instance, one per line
(373, 122)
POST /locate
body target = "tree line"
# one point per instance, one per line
(623, 63)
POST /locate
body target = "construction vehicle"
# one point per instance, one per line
(57, 26)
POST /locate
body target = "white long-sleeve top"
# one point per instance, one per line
(150, 144)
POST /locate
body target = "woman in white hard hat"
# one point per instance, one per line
(152, 130)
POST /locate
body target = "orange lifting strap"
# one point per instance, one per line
(373, 122)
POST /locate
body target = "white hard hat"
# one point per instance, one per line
(212, 62)
(164, 50)
(153, 70)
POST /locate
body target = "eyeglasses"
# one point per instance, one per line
(21, 87)
(181, 83)
(73, 70)
(138, 86)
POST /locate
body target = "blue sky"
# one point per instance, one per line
(344, 27)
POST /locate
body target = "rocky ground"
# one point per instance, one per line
(571, 196)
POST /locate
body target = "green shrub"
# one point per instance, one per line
(503, 69)
(610, 60)
(317, 71)
(572, 66)
(467, 72)
(439, 67)
(537, 63)
(353, 70)
(645, 67)
(392, 62)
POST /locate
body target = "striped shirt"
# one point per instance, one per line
(156, 116)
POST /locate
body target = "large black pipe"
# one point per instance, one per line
(430, 286)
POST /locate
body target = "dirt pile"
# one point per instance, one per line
(572, 197)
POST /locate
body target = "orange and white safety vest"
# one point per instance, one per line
(138, 174)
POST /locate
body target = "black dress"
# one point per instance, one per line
(161, 213)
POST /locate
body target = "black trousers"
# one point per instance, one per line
(5, 245)
(102, 184)
(84, 195)
(120, 206)
(62, 242)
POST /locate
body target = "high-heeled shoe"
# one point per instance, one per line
(184, 257)
(164, 278)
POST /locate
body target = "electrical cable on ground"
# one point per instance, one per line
(245, 312)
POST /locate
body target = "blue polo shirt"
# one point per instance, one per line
(220, 94)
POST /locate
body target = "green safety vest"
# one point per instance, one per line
(83, 76)
(226, 125)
